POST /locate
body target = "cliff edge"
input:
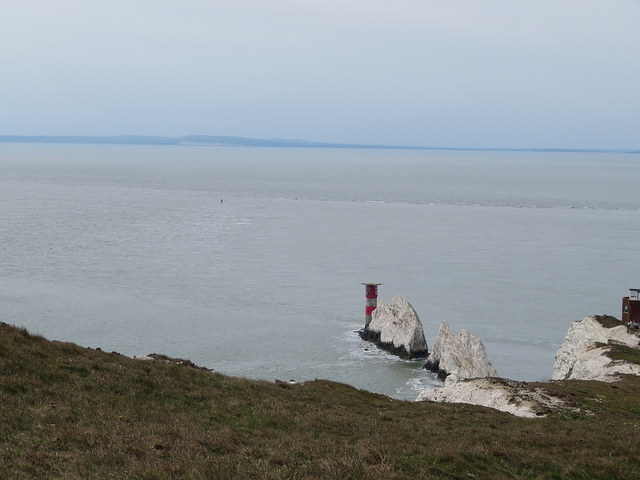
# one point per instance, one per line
(517, 398)
(597, 348)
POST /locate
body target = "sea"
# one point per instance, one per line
(250, 261)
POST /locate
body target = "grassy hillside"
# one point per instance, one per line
(71, 412)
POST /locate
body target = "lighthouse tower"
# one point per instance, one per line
(371, 294)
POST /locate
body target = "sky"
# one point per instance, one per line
(463, 73)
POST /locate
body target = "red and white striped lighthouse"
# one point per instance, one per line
(371, 294)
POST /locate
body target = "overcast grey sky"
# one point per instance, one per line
(502, 73)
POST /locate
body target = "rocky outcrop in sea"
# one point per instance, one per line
(588, 350)
(397, 329)
(596, 348)
(473, 380)
(459, 355)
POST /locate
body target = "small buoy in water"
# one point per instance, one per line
(221, 200)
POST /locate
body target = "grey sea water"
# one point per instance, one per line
(130, 249)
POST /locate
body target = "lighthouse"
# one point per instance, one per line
(371, 295)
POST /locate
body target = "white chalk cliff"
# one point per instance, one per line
(584, 354)
(517, 398)
(397, 328)
(459, 355)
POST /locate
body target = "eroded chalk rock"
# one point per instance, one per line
(459, 355)
(517, 398)
(594, 362)
(397, 329)
(585, 352)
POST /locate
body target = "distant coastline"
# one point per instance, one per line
(213, 140)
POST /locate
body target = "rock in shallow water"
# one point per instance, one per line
(397, 329)
(459, 355)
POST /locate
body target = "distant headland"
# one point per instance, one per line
(214, 140)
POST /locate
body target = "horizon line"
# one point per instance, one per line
(230, 140)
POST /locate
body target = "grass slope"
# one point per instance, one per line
(608, 321)
(71, 412)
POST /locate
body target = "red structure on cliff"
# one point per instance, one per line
(631, 306)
